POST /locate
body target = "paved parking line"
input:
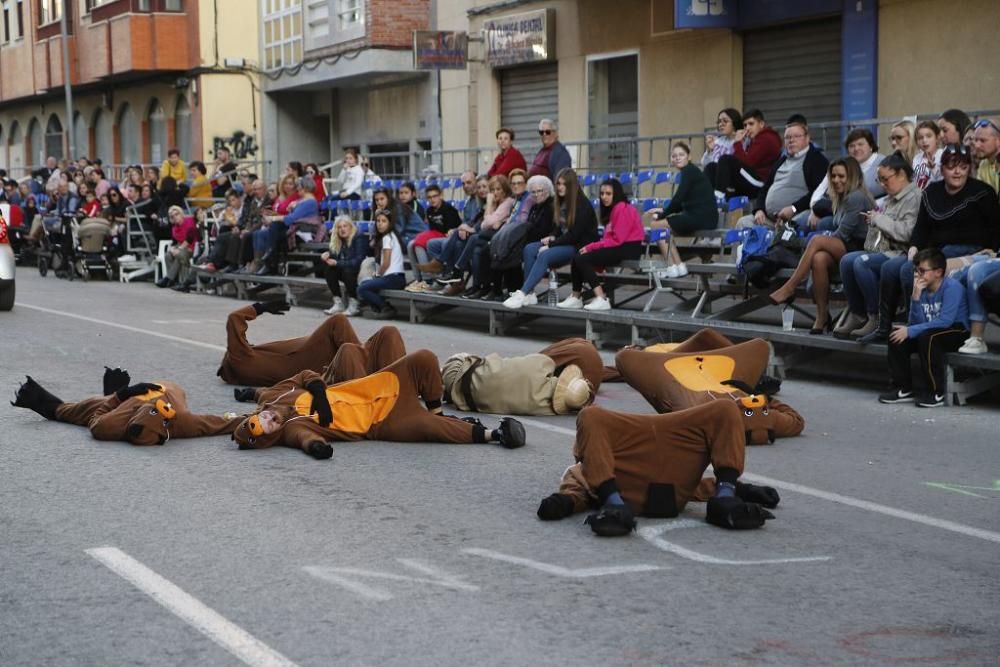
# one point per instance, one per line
(210, 623)
(857, 503)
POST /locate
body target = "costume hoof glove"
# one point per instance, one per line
(765, 496)
(612, 521)
(273, 307)
(511, 433)
(319, 450)
(320, 404)
(245, 394)
(736, 514)
(136, 390)
(115, 379)
(555, 507)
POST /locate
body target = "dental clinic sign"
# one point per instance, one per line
(520, 38)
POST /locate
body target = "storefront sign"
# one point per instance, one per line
(521, 38)
(440, 50)
(705, 14)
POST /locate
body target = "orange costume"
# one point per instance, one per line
(385, 405)
(709, 367)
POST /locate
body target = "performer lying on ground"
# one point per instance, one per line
(265, 364)
(701, 370)
(582, 353)
(141, 414)
(653, 465)
(383, 406)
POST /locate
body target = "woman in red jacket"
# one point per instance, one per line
(623, 236)
(509, 157)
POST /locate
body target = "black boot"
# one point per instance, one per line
(511, 433)
(881, 332)
(889, 292)
(33, 396)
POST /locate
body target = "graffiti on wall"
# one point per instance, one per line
(240, 144)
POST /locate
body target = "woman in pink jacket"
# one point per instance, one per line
(623, 237)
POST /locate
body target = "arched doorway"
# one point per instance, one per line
(36, 144)
(81, 142)
(104, 146)
(54, 137)
(15, 146)
(156, 132)
(128, 136)
(182, 128)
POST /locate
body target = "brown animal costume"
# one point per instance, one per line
(385, 405)
(268, 363)
(709, 367)
(351, 362)
(143, 414)
(656, 463)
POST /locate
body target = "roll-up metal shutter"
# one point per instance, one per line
(527, 95)
(793, 68)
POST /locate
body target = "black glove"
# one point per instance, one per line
(320, 405)
(764, 496)
(245, 395)
(555, 507)
(136, 390)
(736, 514)
(274, 307)
(115, 379)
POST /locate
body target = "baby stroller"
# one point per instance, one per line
(93, 248)
(55, 248)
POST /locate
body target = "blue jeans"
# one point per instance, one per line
(972, 277)
(859, 271)
(261, 241)
(369, 290)
(537, 264)
(435, 247)
(453, 248)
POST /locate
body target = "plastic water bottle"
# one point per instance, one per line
(553, 297)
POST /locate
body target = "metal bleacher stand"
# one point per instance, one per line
(141, 251)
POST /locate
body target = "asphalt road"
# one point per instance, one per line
(413, 554)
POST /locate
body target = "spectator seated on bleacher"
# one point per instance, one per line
(178, 256)
(341, 262)
(728, 122)
(958, 214)
(509, 158)
(954, 124)
(442, 220)
(389, 269)
(889, 230)
(622, 241)
(351, 179)
(927, 161)
(266, 243)
(986, 148)
(576, 226)
(225, 252)
(823, 252)
(472, 215)
(794, 177)
(200, 189)
(169, 194)
(937, 324)
(173, 167)
(691, 208)
(302, 214)
(251, 221)
(409, 215)
(756, 149)
(313, 172)
(224, 167)
(553, 157)
(903, 140)
(974, 274)
(62, 207)
(475, 257)
(860, 145)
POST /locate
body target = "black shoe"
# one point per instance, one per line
(182, 287)
(877, 336)
(612, 521)
(489, 295)
(263, 271)
(511, 433)
(320, 450)
(165, 282)
(387, 313)
(473, 292)
(931, 401)
(899, 396)
(453, 277)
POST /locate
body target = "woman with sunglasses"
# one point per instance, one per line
(902, 140)
(889, 230)
(958, 214)
(986, 148)
(313, 172)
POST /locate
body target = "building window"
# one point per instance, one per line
(20, 18)
(172, 5)
(282, 33)
(6, 23)
(49, 11)
(331, 22)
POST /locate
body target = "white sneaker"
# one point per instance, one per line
(353, 308)
(669, 272)
(515, 300)
(975, 345)
(570, 302)
(598, 303)
(337, 307)
(682, 270)
(530, 299)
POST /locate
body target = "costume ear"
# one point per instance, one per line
(739, 384)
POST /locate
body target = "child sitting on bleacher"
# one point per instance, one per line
(348, 249)
(389, 271)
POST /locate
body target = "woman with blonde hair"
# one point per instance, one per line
(823, 253)
(348, 249)
(903, 140)
(184, 232)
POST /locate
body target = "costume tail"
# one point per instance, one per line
(33, 396)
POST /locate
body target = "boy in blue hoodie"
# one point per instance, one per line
(938, 324)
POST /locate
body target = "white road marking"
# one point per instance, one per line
(125, 327)
(560, 571)
(210, 623)
(933, 522)
(652, 534)
(346, 578)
